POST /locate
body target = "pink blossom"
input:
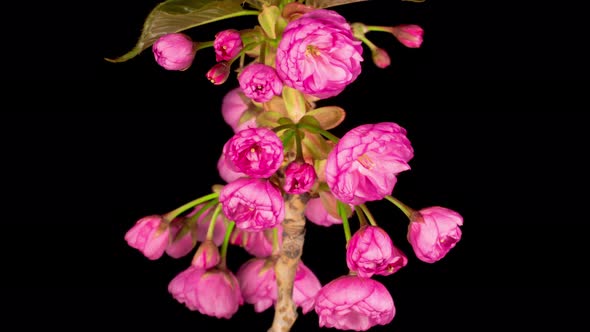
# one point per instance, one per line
(381, 58)
(364, 164)
(260, 82)
(150, 235)
(317, 213)
(299, 177)
(226, 171)
(354, 303)
(218, 229)
(214, 292)
(371, 251)
(410, 35)
(233, 107)
(219, 73)
(174, 51)
(258, 243)
(227, 44)
(253, 204)
(257, 152)
(305, 288)
(257, 283)
(181, 239)
(433, 232)
(318, 54)
(207, 256)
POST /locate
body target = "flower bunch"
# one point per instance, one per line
(282, 167)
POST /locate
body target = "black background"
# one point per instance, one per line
(493, 103)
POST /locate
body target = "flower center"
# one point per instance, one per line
(312, 50)
(366, 161)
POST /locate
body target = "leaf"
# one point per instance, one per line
(268, 20)
(294, 102)
(330, 3)
(329, 116)
(258, 4)
(269, 119)
(179, 15)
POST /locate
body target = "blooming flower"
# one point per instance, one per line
(364, 164)
(354, 303)
(257, 283)
(226, 171)
(410, 35)
(233, 107)
(150, 235)
(317, 213)
(305, 288)
(433, 232)
(174, 51)
(318, 54)
(213, 292)
(371, 251)
(257, 152)
(253, 204)
(299, 177)
(227, 45)
(260, 82)
(219, 73)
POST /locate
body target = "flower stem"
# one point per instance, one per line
(367, 42)
(223, 253)
(361, 216)
(283, 127)
(378, 28)
(190, 221)
(299, 155)
(368, 214)
(202, 45)
(176, 212)
(405, 209)
(342, 213)
(320, 131)
(211, 228)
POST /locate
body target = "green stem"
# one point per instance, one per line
(263, 49)
(368, 42)
(405, 209)
(230, 228)
(320, 131)
(378, 28)
(342, 213)
(368, 214)
(361, 216)
(283, 127)
(298, 146)
(211, 228)
(190, 221)
(243, 52)
(176, 212)
(202, 45)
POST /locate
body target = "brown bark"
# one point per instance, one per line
(286, 265)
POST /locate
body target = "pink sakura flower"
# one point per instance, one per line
(182, 239)
(257, 283)
(207, 256)
(219, 73)
(213, 292)
(299, 177)
(260, 82)
(354, 303)
(317, 213)
(226, 170)
(227, 45)
(371, 251)
(433, 232)
(174, 51)
(257, 152)
(150, 235)
(259, 243)
(364, 164)
(305, 288)
(203, 227)
(410, 35)
(253, 204)
(233, 107)
(318, 54)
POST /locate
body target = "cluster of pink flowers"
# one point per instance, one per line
(318, 55)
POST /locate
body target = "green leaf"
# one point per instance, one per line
(268, 20)
(269, 119)
(287, 138)
(294, 102)
(330, 3)
(328, 117)
(179, 15)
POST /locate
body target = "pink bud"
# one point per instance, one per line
(253, 204)
(233, 107)
(299, 177)
(207, 256)
(381, 58)
(226, 171)
(409, 35)
(174, 51)
(219, 227)
(150, 235)
(433, 232)
(371, 251)
(227, 45)
(317, 213)
(181, 239)
(257, 152)
(354, 303)
(260, 82)
(257, 283)
(305, 288)
(219, 73)
(365, 162)
(257, 243)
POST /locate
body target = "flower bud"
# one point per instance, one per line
(174, 51)
(219, 73)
